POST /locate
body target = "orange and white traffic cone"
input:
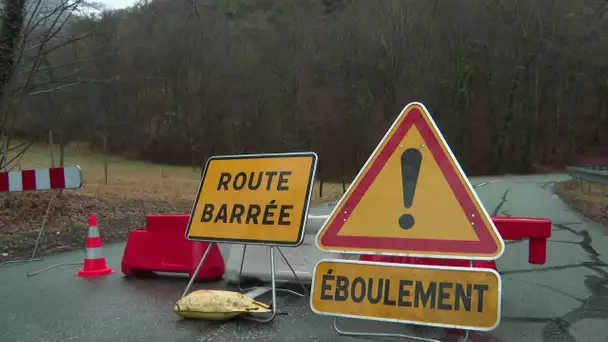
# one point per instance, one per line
(94, 261)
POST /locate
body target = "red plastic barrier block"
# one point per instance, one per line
(166, 223)
(537, 230)
(376, 258)
(428, 261)
(162, 247)
(517, 228)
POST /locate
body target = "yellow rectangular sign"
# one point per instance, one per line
(254, 199)
(452, 297)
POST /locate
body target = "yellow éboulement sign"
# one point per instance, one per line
(254, 199)
(456, 297)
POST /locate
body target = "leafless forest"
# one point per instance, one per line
(513, 84)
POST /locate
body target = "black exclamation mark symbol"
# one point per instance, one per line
(411, 160)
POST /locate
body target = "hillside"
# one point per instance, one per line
(512, 85)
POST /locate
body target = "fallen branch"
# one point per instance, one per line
(55, 89)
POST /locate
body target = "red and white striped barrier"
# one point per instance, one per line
(69, 177)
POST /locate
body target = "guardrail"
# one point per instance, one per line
(595, 167)
(595, 174)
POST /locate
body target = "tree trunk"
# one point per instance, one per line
(5, 197)
(12, 23)
(105, 159)
(61, 160)
(51, 149)
(320, 182)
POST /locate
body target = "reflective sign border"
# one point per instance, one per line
(459, 171)
(72, 170)
(430, 267)
(311, 184)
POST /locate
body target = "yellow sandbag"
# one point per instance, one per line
(217, 305)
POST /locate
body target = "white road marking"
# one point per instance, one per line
(486, 183)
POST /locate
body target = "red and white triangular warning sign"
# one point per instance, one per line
(412, 198)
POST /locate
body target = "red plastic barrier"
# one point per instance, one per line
(537, 230)
(162, 247)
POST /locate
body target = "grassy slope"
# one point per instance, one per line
(134, 189)
(590, 199)
(135, 179)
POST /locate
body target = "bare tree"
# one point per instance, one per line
(511, 84)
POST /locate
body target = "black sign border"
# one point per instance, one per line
(303, 220)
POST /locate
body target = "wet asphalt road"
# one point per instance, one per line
(563, 300)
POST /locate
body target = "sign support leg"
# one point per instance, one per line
(370, 334)
(274, 291)
(296, 275)
(273, 287)
(32, 258)
(254, 292)
(51, 267)
(257, 293)
(46, 215)
(465, 338)
(390, 335)
(198, 269)
(241, 271)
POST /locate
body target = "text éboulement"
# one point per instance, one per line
(453, 296)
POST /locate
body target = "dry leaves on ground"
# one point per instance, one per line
(588, 198)
(65, 228)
